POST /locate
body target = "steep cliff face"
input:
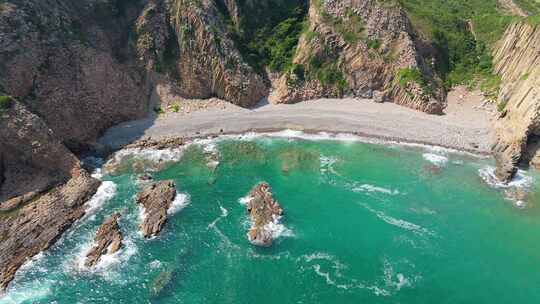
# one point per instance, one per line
(364, 48)
(517, 61)
(33, 158)
(67, 61)
(189, 41)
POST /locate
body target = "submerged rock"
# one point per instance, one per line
(108, 240)
(265, 212)
(156, 199)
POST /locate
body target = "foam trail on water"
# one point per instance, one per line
(372, 188)
(398, 222)
(224, 213)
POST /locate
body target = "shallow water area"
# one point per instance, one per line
(363, 222)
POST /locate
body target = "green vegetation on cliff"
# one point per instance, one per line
(267, 34)
(462, 32)
(5, 103)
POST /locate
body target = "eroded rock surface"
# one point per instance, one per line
(108, 240)
(190, 43)
(155, 199)
(30, 229)
(264, 212)
(362, 48)
(517, 61)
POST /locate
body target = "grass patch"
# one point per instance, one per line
(406, 76)
(501, 106)
(5, 103)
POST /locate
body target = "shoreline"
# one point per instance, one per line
(463, 128)
(313, 135)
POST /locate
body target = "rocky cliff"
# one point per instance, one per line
(68, 61)
(33, 158)
(364, 48)
(190, 43)
(517, 61)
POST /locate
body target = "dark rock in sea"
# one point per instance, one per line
(145, 177)
(38, 224)
(264, 211)
(156, 199)
(108, 240)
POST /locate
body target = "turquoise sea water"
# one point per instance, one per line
(363, 223)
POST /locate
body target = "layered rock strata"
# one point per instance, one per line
(517, 61)
(190, 43)
(108, 240)
(155, 199)
(265, 213)
(36, 226)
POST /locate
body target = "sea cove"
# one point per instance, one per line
(362, 222)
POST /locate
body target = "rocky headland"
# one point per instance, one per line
(32, 228)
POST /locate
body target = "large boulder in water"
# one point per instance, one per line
(265, 213)
(156, 199)
(108, 240)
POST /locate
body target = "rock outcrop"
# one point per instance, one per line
(34, 227)
(108, 240)
(33, 157)
(68, 61)
(362, 48)
(264, 212)
(155, 199)
(190, 43)
(517, 61)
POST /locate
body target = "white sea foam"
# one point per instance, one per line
(342, 137)
(327, 164)
(149, 159)
(224, 213)
(436, 159)
(155, 264)
(107, 263)
(521, 180)
(180, 202)
(277, 229)
(392, 279)
(26, 294)
(398, 222)
(245, 200)
(515, 190)
(372, 188)
(105, 192)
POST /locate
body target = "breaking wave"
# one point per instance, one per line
(516, 190)
(436, 159)
(180, 202)
(105, 192)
